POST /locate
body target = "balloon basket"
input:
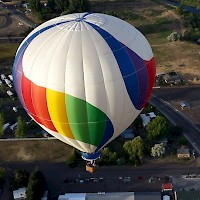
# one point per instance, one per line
(90, 167)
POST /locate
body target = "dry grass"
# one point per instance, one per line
(30, 151)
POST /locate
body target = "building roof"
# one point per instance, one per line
(20, 193)
(147, 196)
(115, 196)
(127, 134)
(167, 186)
(145, 119)
(152, 115)
(191, 195)
(183, 151)
(72, 196)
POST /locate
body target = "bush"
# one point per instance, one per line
(182, 141)
(174, 36)
(158, 150)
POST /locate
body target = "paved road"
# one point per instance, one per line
(161, 99)
(17, 15)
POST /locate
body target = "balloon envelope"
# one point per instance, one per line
(84, 78)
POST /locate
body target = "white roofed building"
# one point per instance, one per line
(73, 196)
(19, 194)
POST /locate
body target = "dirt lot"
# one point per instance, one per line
(33, 151)
(10, 26)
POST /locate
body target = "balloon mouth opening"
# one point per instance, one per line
(91, 156)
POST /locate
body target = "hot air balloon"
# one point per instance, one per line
(84, 78)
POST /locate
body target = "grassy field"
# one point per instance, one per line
(7, 54)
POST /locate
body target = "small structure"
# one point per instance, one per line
(19, 194)
(127, 134)
(72, 196)
(167, 187)
(183, 153)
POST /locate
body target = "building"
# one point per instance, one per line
(183, 153)
(188, 195)
(145, 119)
(73, 196)
(19, 194)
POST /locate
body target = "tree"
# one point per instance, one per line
(51, 4)
(79, 6)
(1, 124)
(20, 179)
(107, 157)
(158, 150)
(135, 150)
(138, 123)
(35, 5)
(36, 185)
(62, 5)
(158, 128)
(21, 129)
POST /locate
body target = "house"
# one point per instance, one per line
(19, 194)
(167, 187)
(183, 153)
(152, 115)
(127, 134)
(72, 196)
(145, 119)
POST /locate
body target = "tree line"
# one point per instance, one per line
(58, 6)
